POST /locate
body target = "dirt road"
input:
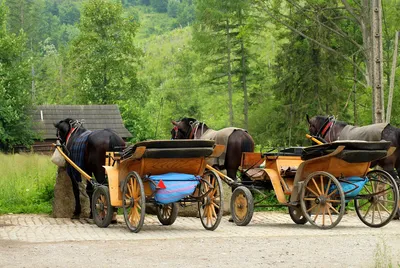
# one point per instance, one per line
(270, 240)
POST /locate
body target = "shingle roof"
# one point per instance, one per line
(94, 116)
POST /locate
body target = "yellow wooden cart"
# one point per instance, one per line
(317, 182)
(132, 182)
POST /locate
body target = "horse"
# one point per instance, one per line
(236, 141)
(88, 150)
(328, 129)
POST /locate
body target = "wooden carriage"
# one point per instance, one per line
(317, 182)
(141, 172)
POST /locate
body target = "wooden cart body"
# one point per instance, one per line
(149, 158)
(289, 169)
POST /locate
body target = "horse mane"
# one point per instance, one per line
(189, 120)
(322, 118)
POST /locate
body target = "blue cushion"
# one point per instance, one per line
(177, 186)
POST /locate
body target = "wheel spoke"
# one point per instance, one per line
(333, 201)
(366, 213)
(316, 186)
(311, 208)
(311, 190)
(329, 186)
(384, 208)
(334, 209)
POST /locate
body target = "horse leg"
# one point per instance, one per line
(78, 209)
(89, 191)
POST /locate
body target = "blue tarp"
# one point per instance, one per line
(351, 186)
(177, 186)
(77, 155)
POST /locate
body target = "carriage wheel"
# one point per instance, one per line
(168, 213)
(376, 204)
(242, 206)
(210, 206)
(133, 202)
(101, 206)
(322, 200)
(297, 215)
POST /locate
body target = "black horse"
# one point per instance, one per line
(328, 129)
(236, 141)
(88, 150)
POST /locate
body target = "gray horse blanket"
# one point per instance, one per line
(220, 137)
(365, 133)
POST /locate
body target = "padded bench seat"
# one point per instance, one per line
(354, 152)
(172, 149)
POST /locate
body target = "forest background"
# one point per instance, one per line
(256, 64)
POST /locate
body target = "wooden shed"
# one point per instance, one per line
(94, 117)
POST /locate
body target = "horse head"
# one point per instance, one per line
(183, 128)
(319, 125)
(65, 128)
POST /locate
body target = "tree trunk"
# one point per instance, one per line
(377, 65)
(244, 80)
(392, 75)
(229, 68)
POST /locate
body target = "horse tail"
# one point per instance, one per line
(116, 143)
(247, 142)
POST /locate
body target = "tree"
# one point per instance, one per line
(103, 57)
(219, 36)
(15, 98)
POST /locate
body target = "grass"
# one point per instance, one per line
(383, 256)
(26, 183)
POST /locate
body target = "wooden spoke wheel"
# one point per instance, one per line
(242, 206)
(297, 215)
(101, 206)
(377, 202)
(211, 205)
(322, 200)
(168, 213)
(133, 202)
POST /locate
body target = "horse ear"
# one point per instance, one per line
(174, 122)
(308, 118)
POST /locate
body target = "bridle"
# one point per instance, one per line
(326, 126)
(73, 127)
(194, 126)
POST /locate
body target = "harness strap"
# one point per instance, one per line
(69, 135)
(326, 128)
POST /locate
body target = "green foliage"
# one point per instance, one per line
(103, 56)
(26, 183)
(14, 88)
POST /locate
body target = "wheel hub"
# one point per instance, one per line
(321, 200)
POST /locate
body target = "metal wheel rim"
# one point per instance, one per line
(210, 207)
(319, 202)
(376, 209)
(133, 203)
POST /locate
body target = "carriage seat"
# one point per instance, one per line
(354, 151)
(291, 151)
(172, 148)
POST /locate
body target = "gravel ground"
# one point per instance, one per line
(270, 240)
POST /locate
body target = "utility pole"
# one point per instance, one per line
(377, 64)
(392, 75)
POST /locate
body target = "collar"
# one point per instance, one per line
(69, 135)
(326, 128)
(193, 132)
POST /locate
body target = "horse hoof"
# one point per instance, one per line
(230, 219)
(75, 217)
(114, 221)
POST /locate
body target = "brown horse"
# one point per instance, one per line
(88, 150)
(236, 141)
(328, 129)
